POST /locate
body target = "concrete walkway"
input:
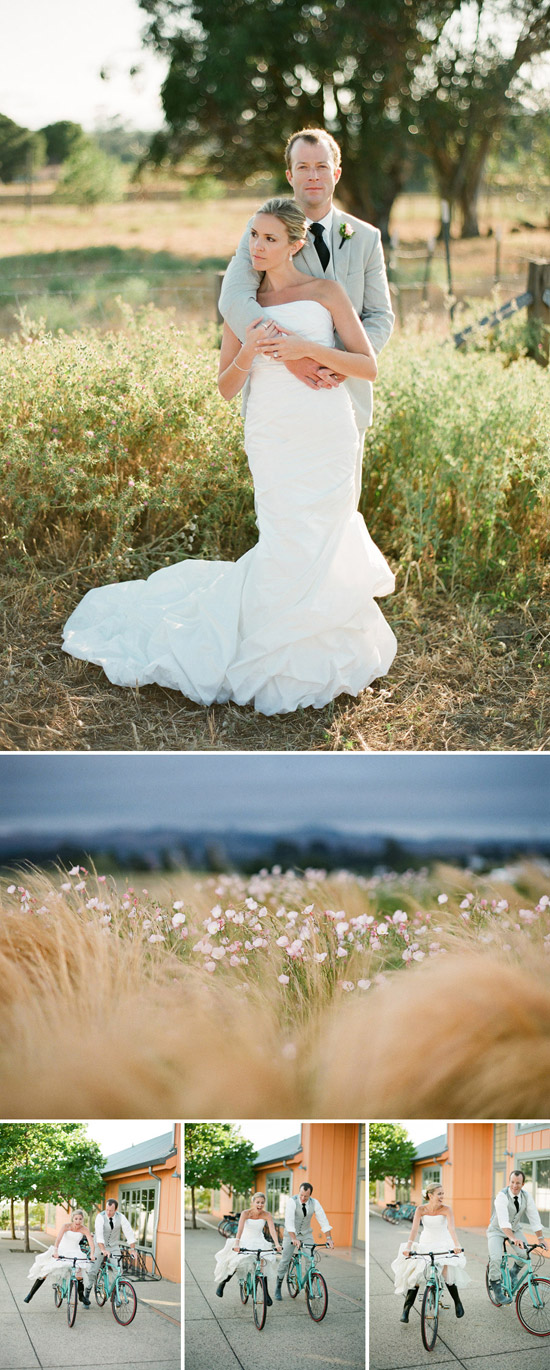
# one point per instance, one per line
(486, 1338)
(36, 1335)
(220, 1333)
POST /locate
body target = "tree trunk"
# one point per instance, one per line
(194, 1223)
(27, 1242)
(12, 1217)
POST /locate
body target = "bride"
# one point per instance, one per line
(66, 1247)
(438, 1235)
(293, 622)
(250, 1235)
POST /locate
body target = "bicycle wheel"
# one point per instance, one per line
(495, 1302)
(259, 1301)
(99, 1289)
(533, 1307)
(244, 1290)
(57, 1296)
(72, 1301)
(124, 1302)
(429, 1317)
(316, 1296)
(292, 1281)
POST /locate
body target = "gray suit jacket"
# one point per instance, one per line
(357, 263)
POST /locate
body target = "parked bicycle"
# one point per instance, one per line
(308, 1278)
(432, 1300)
(253, 1283)
(390, 1212)
(227, 1226)
(110, 1284)
(67, 1288)
(532, 1294)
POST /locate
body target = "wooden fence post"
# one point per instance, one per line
(538, 284)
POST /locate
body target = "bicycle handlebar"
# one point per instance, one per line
(455, 1251)
(519, 1241)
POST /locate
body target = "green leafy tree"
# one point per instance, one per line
(242, 78)
(61, 139)
(469, 85)
(391, 1152)
(21, 152)
(216, 1154)
(50, 1162)
(90, 177)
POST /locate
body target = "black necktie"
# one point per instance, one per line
(320, 245)
(304, 1210)
(516, 1201)
(111, 1222)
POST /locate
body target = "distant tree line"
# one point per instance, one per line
(91, 164)
(395, 81)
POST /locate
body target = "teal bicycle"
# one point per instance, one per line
(110, 1284)
(253, 1284)
(532, 1294)
(67, 1288)
(308, 1278)
(433, 1296)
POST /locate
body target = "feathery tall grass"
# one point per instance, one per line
(333, 996)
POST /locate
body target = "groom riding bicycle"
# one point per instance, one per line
(513, 1208)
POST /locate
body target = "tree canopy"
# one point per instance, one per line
(21, 151)
(216, 1154)
(391, 1152)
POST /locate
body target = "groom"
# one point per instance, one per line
(513, 1207)
(338, 247)
(110, 1227)
(299, 1211)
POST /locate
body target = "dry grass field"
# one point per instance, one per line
(313, 995)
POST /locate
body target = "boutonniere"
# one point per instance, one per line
(346, 232)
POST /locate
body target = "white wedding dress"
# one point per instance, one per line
(293, 622)
(228, 1260)
(435, 1236)
(46, 1263)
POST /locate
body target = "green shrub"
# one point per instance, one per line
(120, 454)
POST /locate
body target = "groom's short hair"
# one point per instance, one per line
(517, 1172)
(307, 1185)
(112, 1201)
(313, 135)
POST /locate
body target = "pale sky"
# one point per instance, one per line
(51, 54)
(116, 1134)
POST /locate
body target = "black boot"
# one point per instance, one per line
(409, 1300)
(83, 1296)
(32, 1293)
(268, 1299)
(221, 1287)
(453, 1291)
(278, 1288)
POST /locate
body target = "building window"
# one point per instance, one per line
(431, 1175)
(277, 1192)
(138, 1205)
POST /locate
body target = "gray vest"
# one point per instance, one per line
(302, 1223)
(112, 1236)
(515, 1219)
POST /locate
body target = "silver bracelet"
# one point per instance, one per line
(245, 370)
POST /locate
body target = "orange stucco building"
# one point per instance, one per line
(473, 1161)
(145, 1179)
(331, 1157)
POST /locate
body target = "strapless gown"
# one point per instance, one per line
(46, 1263)
(434, 1236)
(293, 622)
(228, 1260)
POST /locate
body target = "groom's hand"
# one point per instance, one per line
(317, 377)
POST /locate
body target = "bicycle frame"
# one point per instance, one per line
(111, 1284)
(309, 1279)
(526, 1283)
(248, 1285)
(433, 1293)
(67, 1288)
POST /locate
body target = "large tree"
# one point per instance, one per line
(216, 1154)
(243, 77)
(51, 1162)
(391, 1152)
(21, 151)
(469, 85)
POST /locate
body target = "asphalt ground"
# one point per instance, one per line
(486, 1338)
(220, 1333)
(36, 1335)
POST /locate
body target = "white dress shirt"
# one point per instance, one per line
(532, 1216)
(125, 1226)
(319, 1214)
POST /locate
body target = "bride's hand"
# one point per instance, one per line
(285, 347)
(255, 335)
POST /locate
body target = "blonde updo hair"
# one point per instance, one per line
(430, 1189)
(259, 1195)
(289, 214)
